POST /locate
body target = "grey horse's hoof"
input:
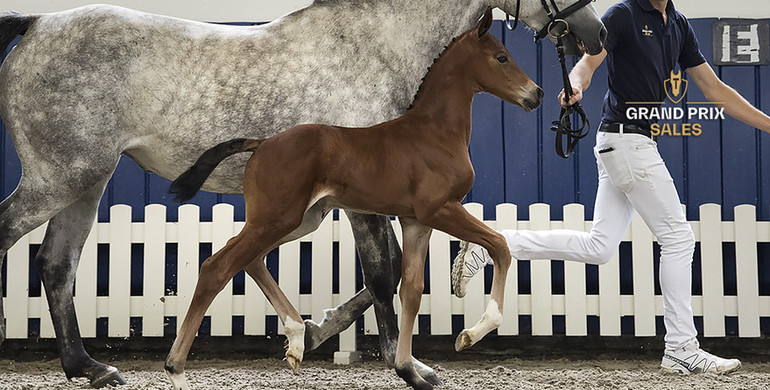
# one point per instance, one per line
(111, 378)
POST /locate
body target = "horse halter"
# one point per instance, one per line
(557, 28)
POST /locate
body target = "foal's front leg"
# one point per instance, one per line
(416, 240)
(453, 219)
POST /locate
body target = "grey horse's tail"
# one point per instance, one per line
(13, 24)
(188, 184)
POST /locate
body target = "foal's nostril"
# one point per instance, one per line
(540, 93)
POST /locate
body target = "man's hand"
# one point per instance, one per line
(577, 95)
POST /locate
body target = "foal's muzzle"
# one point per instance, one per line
(533, 98)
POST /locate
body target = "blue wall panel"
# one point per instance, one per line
(521, 130)
(487, 147)
(704, 164)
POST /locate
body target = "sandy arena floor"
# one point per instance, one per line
(272, 374)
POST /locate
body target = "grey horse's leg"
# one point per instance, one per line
(57, 262)
(380, 276)
(380, 257)
(21, 212)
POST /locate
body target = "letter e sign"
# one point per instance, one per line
(741, 41)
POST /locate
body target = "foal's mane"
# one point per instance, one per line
(436, 61)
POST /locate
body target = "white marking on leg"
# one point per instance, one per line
(178, 381)
(295, 334)
(490, 321)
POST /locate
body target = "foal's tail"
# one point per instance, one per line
(188, 184)
(13, 24)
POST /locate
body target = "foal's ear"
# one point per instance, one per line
(484, 23)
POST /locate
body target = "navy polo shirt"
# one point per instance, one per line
(642, 52)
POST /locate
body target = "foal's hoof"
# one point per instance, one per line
(294, 362)
(463, 341)
(110, 378)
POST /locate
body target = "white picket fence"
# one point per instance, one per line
(609, 305)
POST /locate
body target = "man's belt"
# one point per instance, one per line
(625, 129)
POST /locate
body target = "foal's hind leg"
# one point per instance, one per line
(292, 321)
(253, 242)
(57, 262)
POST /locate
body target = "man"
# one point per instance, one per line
(646, 39)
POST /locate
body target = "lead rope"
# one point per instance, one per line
(567, 137)
(563, 126)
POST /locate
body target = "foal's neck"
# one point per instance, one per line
(446, 94)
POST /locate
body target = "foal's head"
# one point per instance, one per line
(489, 66)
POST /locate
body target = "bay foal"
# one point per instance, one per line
(416, 167)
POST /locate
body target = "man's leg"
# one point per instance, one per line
(612, 215)
(655, 197)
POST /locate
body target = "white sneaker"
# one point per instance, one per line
(469, 261)
(690, 359)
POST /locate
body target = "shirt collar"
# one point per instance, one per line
(645, 4)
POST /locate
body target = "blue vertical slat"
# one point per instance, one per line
(704, 165)
(10, 172)
(739, 152)
(558, 173)
(487, 148)
(520, 131)
(764, 173)
(128, 187)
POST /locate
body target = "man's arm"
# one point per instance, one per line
(581, 75)
(735, 105)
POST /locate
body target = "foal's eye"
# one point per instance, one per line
(502, 59)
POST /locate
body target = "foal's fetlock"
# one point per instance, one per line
(176, 376)
(295, 343)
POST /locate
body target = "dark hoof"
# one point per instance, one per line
(112, 378)
(433, 379)
(410, 376)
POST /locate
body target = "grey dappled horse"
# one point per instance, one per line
(85, 86)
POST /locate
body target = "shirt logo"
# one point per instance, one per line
(675, 86)
(646, 31)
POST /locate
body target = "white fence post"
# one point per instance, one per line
(712, 275)
(188, 253)
(347, 283)
(16, 306)
(507, 218)
(221, 308)
(575, 278)
(643, 275)
(321, 269)
(473, 301)
(540, 271)
(746, 270)
(85, 285)
(120, 271)
(154, 270)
